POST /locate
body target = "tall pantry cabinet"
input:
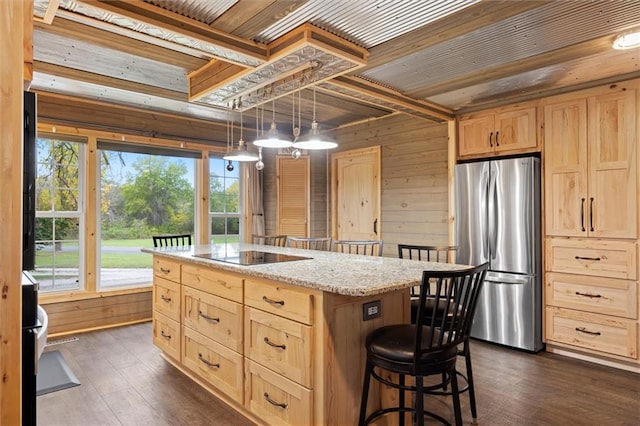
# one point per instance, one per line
(591, 222)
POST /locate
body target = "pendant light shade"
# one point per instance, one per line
(272, 138)
(314, 140)
(240, 153)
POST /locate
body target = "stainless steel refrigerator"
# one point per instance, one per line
(498, 221)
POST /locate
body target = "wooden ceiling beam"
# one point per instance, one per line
(565, 54)
(161, 18)
(247, 18)
(463, 22)
(366, 91)
(77, 31)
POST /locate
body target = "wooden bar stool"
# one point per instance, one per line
(424, 348)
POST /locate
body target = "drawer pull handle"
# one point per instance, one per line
(273, 302)
(166, 336)
(274, 345)
(588, 258)
(165, 271)
(165, 298)
(593, 296)
(272, 402)
(210, 364)
(207, 317)
(584, 330)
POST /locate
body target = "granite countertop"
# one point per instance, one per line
(346, 274)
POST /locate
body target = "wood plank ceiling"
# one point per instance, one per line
(431, 59)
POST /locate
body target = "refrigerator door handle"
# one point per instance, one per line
(493, 214)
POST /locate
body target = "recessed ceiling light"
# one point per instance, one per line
(627, 40)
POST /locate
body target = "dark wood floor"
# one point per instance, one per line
(126, 382)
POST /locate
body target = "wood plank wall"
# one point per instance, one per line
(414, 197)
(107, 311)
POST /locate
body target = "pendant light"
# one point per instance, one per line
(313, 139)
(240, 154)
(272, 138)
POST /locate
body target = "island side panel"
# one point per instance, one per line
(345, 353)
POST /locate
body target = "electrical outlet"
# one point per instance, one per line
(371, 310)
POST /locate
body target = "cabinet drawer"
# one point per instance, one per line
(218, 365)
(166, 335)
(279, 299)
(593, 294)
(220, 283)
(276, 399)
(610, 259)
(602, 333)
(165, 268)
(214, 317)
(280, 344)
(166, 298)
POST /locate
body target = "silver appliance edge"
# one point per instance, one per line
(498, 220)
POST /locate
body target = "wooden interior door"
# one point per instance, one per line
(293, 196)
(566, 192)
(612, 165)
(356, 194)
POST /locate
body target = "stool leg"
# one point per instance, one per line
(456, 398)
(365, 393)
(401, 398)
(472, 393)
(419, 401)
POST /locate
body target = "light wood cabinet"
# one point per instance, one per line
(167, 333)
(591, 222)
(277, 352)
(590, 166)
(508, 130)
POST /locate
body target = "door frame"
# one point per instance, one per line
(376, 150)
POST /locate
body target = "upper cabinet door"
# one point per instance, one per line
(515, 130)
(476, 136)
(612, 165)
(566, 192)
(506, 130)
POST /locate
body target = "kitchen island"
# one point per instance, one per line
(283, 341)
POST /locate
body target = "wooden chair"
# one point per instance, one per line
(312, 243)
(428, 253)
(439, 254)
(172, 240)
(269, 240)
(365, 247)
(424, 348)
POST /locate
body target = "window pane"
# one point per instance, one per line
(59, 250)
(225, 230)
(141, 195)
(57, 253)
(224, 196)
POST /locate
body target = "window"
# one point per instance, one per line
(224, 196)
(59, 213)
(141, 195)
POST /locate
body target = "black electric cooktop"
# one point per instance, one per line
(251, 257)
